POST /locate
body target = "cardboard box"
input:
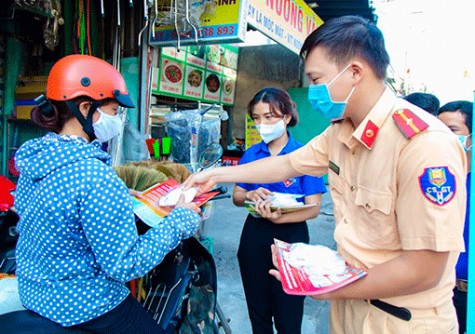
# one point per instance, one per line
(23, 108)
(32, 84)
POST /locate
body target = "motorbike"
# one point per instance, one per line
(8, 222)
(179, 293)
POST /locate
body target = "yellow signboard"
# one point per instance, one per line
(221, 21)
(252, 135)
(288, 22)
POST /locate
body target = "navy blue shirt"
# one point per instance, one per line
(462, 264)
(305, 185)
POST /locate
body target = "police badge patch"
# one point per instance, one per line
(438, 185)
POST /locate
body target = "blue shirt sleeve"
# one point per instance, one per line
(247, 157)
(313, 185)
(109, 226)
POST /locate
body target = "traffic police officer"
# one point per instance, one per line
(396, 176)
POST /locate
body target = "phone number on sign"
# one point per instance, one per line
(217, 31)
(209, 32)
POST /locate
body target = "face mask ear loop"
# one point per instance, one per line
(92, 109)
(351, 93)
(85, 122)
(339, 74)
(469, 148)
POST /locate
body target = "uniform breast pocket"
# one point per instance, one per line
(376, 221)
(337, 190)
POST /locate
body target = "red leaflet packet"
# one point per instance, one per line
(299, 281)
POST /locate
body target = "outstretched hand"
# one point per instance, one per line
(201, 180)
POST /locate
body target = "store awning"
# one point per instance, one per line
(327, 9)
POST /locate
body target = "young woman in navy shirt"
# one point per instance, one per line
(273, 111)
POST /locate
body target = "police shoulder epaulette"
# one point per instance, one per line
(409, 124)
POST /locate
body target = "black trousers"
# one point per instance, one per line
(267, 303)
(127, 317)
(460, 303)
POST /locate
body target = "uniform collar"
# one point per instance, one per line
(368, 130)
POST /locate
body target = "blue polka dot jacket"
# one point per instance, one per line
(78, 242)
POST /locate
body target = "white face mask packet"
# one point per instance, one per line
(171, 199)
(285, 200)
(315, 259)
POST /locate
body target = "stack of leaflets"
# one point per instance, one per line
(147, 208)
(313, 270)
(250, 206)
(285, 202)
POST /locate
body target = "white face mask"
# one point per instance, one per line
(107, 126)
(270, 132)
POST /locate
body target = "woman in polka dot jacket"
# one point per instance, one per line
(78, 242)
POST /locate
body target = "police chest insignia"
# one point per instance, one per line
(289, 182)
(334, 167)
(409, 124)
(438, 185)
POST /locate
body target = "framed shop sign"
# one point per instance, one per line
(205, 73)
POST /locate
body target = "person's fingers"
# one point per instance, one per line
(181, 199)
(135, 193)
(275, 273)
(275, 253)
(189, 182)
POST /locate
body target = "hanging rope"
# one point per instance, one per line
(83, 27)
(88, 26)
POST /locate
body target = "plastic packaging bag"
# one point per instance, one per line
(135, 147)
(184, 129)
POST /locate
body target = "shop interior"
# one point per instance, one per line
(168, 71)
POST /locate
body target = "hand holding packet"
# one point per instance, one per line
(313, 269)
(171, 199)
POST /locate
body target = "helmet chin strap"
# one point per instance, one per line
(85, 122)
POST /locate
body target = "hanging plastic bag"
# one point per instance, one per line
(184, 128)
(210, 133)
(135, 146)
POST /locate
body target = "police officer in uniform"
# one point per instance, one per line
(396, 175)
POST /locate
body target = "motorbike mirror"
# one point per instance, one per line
(210, 156)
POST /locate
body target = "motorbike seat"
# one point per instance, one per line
(27, 322)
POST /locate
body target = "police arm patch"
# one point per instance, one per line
(438, 185)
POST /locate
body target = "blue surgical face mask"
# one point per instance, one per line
(321, 101)
(463, 141)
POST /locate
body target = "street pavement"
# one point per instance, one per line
(224, 227)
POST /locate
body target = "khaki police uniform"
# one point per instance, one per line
(397, 183)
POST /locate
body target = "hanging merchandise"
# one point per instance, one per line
(51, 9)
(41, 7)
(185, 14)
(83, 27)
(184, 129)
(52, 24)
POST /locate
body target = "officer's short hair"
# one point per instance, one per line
(426, 101)
(348, 36)
(464, 107)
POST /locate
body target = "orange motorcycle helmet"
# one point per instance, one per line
(83, 75)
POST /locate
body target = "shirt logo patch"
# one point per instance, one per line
(438, 185)
(289, 182)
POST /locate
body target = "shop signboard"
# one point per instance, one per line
(220, 21)
(252, 135)
(205, 73)
(288, 22)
